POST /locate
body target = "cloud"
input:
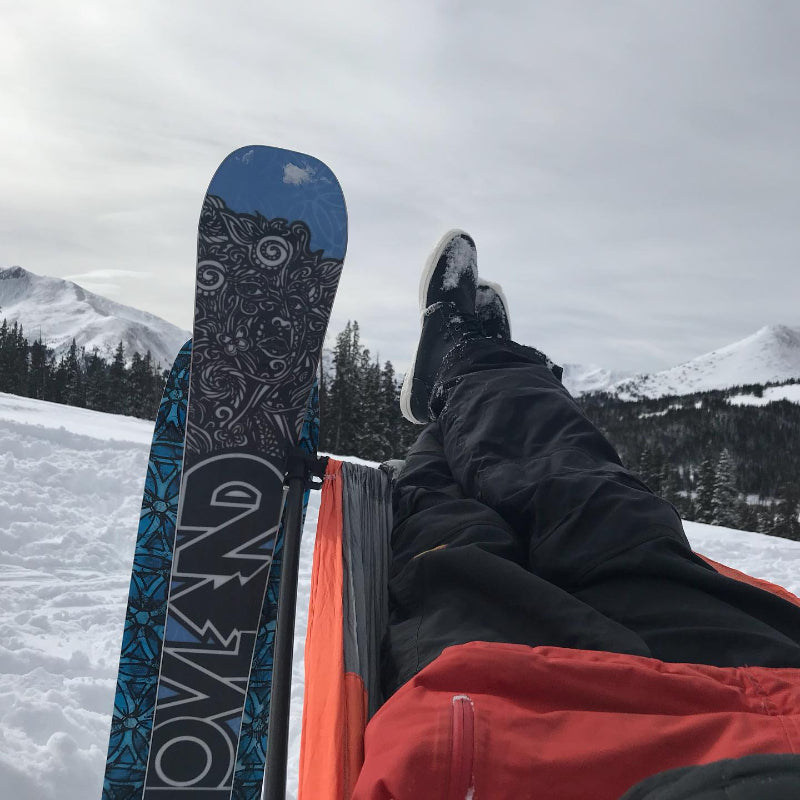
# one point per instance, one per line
(104, 274)
(629, 170)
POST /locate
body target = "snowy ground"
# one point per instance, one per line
(772, 394)
(70, 489)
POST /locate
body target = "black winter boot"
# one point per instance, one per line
(491, 308)
(447, 307)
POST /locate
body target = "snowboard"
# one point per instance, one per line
(140, 657)
(132, 717)
(271, 241)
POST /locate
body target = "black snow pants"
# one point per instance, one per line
(515, 521)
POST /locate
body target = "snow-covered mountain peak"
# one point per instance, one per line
(59, 311)
(770, 355)
(583, 379)
(771, 336)
(16, 284)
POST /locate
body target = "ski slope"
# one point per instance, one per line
(70, 490)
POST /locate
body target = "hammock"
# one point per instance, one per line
(347, 616)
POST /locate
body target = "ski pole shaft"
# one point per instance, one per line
(278, 730)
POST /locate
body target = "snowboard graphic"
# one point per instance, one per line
(135, 699)
(271, 241)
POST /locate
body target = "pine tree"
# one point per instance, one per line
(766, 518)
(390, 412)
(6, 359)
(343, 422)
(688, 507)
(153, 387)
(117, 392)
(748, 516)
(39, 373)
(371, 437)
(21, 359)
(787, 522)
(669, 486)
(725, 497)
(13, 359)
(159, 379)
(647, 469)
(704, 502)
(96, 376)
(140, 383)
(71, 377)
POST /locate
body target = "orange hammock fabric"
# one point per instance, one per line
(335, 706)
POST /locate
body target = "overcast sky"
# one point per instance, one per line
(630, 169)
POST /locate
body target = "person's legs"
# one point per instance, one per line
(517, 442)
(460, 574)
(516, 521)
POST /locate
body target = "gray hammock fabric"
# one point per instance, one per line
(367, 526)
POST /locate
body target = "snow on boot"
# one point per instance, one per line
(447, 306)
(491, 308)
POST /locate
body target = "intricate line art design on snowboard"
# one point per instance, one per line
(135, 699)
(263, 301)
(262, 306)
(255, 722)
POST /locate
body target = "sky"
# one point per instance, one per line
(630, 170)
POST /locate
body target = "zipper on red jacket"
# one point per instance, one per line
(463, 751)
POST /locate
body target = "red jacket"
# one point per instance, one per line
(506, 722)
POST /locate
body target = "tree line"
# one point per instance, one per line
(716, 462)
(78, 378)
(713, 496)
(359, 403)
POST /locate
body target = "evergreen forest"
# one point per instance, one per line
(78, 378)
(715, 461)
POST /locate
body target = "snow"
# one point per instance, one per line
(297, 176)
(461, 258)
(70, 490)
(81, 421)
(491, 304)
(772, 394)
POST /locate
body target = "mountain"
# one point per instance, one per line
(582, 379)
(61, 311)
(770, 355)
